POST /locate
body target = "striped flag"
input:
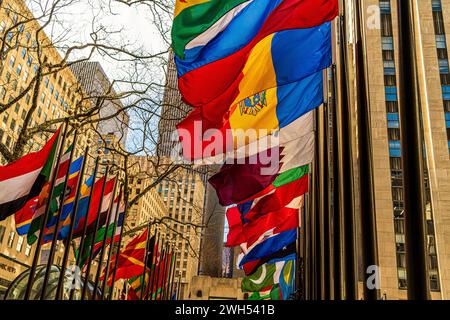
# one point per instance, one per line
(39, 213)
(24, 179)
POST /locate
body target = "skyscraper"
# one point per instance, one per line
(432, 18)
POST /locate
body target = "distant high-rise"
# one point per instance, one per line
(173, 111)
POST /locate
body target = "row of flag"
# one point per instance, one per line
(255, 65)
(50, 200)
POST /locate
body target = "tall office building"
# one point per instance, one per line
(432, 18)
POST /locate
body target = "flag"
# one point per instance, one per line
(24, 216)
(104, 234)
(264, 294)
(39, 213)
(81, 210)
(242, 24)
(137, 284)
(286, 253)
(196, 17)
(235, 56)
(273, 198)
(130, 259)
(266, 275)
(24, 179)
(242, 231)
(249, 119)
(68, 201)
(287, 280)
(278, 165)
(268, 246)
(91, 212)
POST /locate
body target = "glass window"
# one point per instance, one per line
(12, 234)
(28, 250)
(19, 244)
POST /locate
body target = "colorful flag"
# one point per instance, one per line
(249, 119)
(130, 259)
(273, 198)
(24, 179)
(279, 165)
(91, 212)
(277, 45)
(81, 211)
(268, 246)
(266, 275)
(104, 232)
(24, 216)
(68, 201)
(249, 232)
(195, 20)
(287, 280)
(286, 253)
(264, 294)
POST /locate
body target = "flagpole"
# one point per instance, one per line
(43, 221)
(336, 216)
(82, 239)
(303, 249)
(149, 226)
(179, 285)
(58, 217)
(346, 190)
(102, 250)
(91, 253)
(167, 283)
(173, 274)
(366, 180)
(163, 275)
(412, 157)
(163, 256)
(153, 270)
(316, 221)
(60, 287)
(111, 244)
(119, 243)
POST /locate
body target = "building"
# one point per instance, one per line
(433, 24)
(60, 93)
(210, 288)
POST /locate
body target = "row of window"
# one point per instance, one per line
(391, 97)
(441, 46)
(20, 241)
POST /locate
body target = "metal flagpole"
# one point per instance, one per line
(58, 218)
(336, 217)
(366, 180)
(346, 190)
(111, 244)
(412, 157)
(317, 220)
(60, 287)
(83, 236)
(102, 250)
(91, 253)
(161, 262)
(46, 214)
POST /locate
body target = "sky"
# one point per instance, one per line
(133, 27)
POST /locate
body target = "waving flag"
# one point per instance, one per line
(24, 179)
(266, 275)
(24, 216)
(197, 20)
(250, 119)
(131, 258)
(287, 218)
(286, 253)
(68, 201)
(270, 246)
(82, 208)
